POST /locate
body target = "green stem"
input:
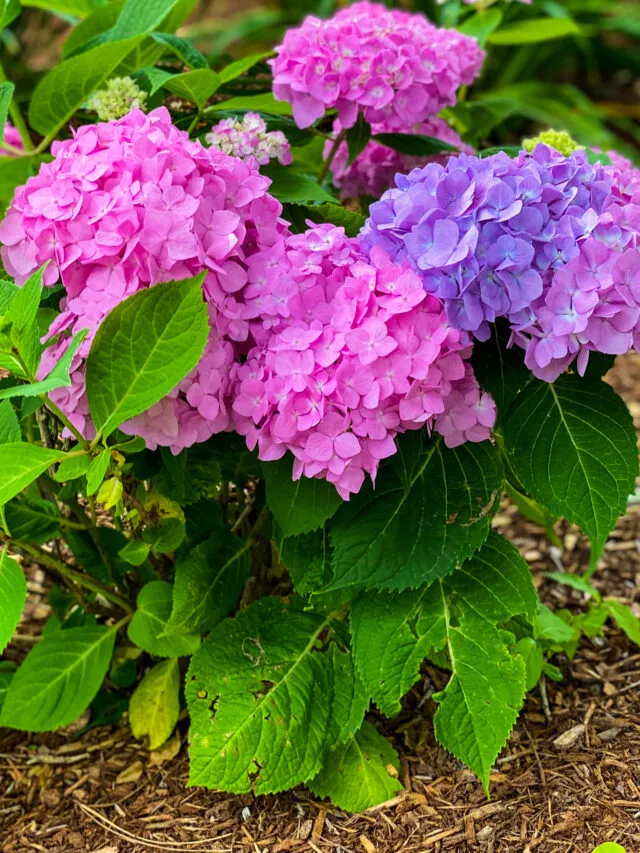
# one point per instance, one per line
(70, 574)
(337, 142)
(64, 420)
(194, 123)
(18, 122)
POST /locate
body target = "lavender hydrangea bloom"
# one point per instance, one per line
(548, 241)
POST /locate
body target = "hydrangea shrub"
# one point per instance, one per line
(256, 437)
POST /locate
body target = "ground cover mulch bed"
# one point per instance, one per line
(568, 779)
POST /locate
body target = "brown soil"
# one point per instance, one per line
(104, 793)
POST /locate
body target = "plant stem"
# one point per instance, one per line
(64, 420)
(337, 142)
(70, 574)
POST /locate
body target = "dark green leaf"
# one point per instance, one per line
(167, 538)
(292, 186)
(35, 521)
(414, 144)
(9, 426)
(238, 68)
(13, 597)
(500, 369)
(351, 221)
(357, 138)
(573, 446)
(298, 506)
(6, 94)
(183, 49)
(143, 349)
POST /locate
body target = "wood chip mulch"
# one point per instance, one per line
(569, 778)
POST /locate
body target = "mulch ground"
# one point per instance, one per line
(103, 792)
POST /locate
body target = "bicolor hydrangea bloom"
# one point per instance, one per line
(545, 240)
(356, 352)
(121, 95)
(249, 137)
(390, 65)
(373, 171)
(11, 137)
(125, 205)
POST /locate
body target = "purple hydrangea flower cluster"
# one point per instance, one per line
(356, 353)
(392, 66)
(125, 205)
(543, 239)
(11, 137)
(374, 169)
(248, 138)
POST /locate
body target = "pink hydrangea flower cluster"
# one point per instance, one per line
(11, 137)
(125, 205)
(374, 169)
(392, 66)
(356, 353)
(248, 138)
(544, 239)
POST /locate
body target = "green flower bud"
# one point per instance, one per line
(120, 97)
(558, 139)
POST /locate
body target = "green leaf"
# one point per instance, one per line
(137, 18)
(35, 521)
(183, 49)
(531, 654)
(350, 220)
(143, 349)
(96, 471)
(72, 468)
(412, 529)
(532, 510)
(288, 186)
(13, 597)
(357, 138)
(575, 582)
(14, 172)
(551, 630)
(135, 552)
(22, 313)
(573, 446)
(97, 551)
(299, 506)
(65, 88)
(9, 426)
(265, 103)
(21, 464)
(500, 369)
(59, 377)
(392, 634)
(414, 144)
(194, 86)
(66, 7)
(609, 847)
(149, 623)
(152, 79)
(478, 707)
(6, 94)
(266, 699)
(7, 671)
(238, 68)
(58, 679)
(208, 583)
(155, 704)
(624, 619)
(9, 11)
(167, 538)
(356, 776)
(534, 30)
(482, 24)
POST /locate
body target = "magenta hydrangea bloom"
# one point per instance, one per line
(392, 66)
(356, 352)
(544, 240)
(11, 137)
(125, 205)
(249, 138)
(374, 170)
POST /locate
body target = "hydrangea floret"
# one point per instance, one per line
(548, 241)
(356, 353)
(121, 95)
(389, 65)
(249, 137)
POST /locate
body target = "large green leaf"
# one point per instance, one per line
(299, 506)
(22, 314)
(265, 103)
(482, 24)
(208, 582)
(573, 446)
(534, 30)
(238, 68)
(414, 528)
(146, 629)
(268, 694)
(66, 7)
(183, 49)
(194, 86)
(143, 349)
(500, 369)
(414, 144)
(64, 89)
(289, 186)
(137, 18)
(13, 173)
(35, 521)
(13, 596)
(21, 464)
(58, 679)
(356, 775)
(155, 704)
(9, 424)
(9, 11)
(392, 634)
